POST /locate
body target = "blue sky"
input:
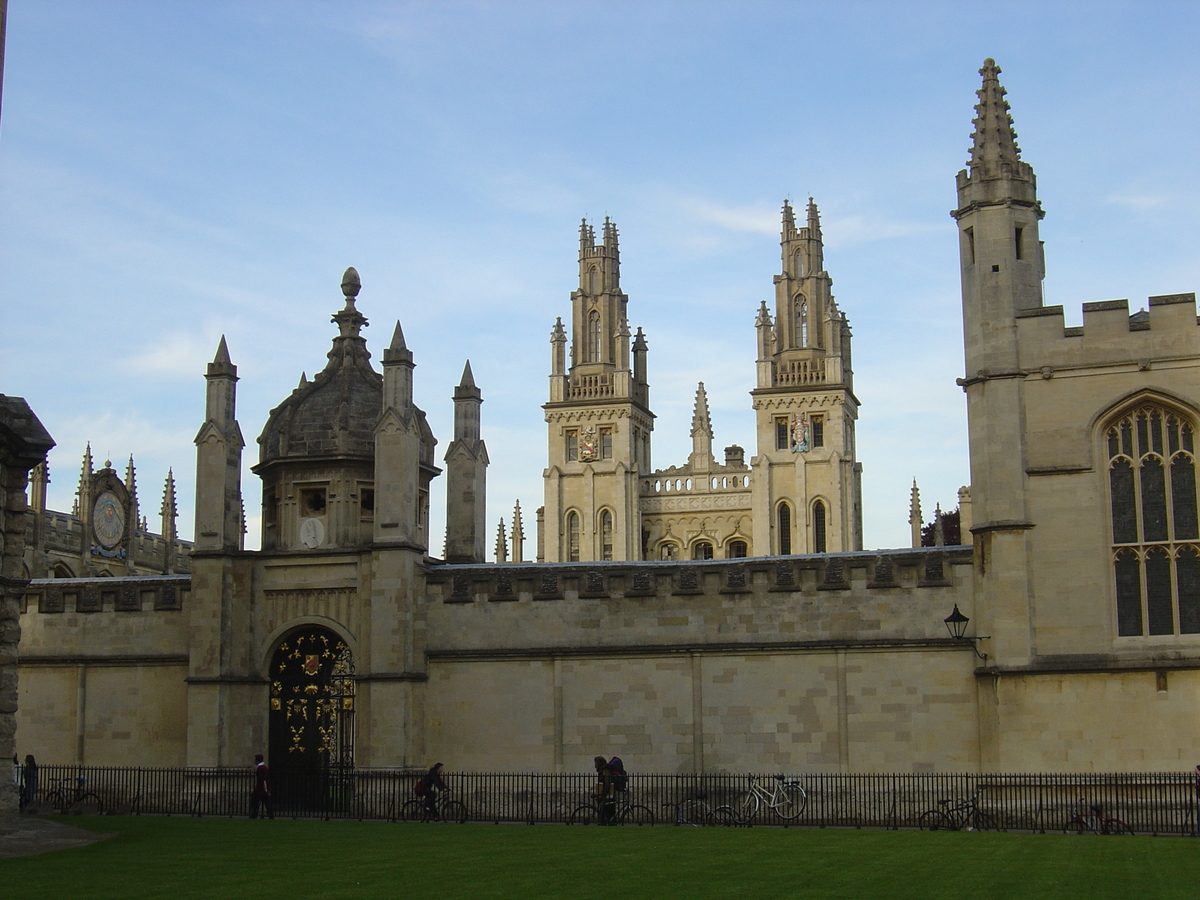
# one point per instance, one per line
(172, 172)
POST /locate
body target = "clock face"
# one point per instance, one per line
(108, 520)
(312, 533)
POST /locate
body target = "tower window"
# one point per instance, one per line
(1017, 241)
(366, 502)
(799, 266)
(969, 234)
(270, 509)
(593, 279)
(818, 527)
(594, 336)
(802, 321)
(606, 443)
(785, 529)
(783, 433)
(1154, 519)
(312, 501)
(818, 431)
(606, 535)
(572, 537)
(572, 445)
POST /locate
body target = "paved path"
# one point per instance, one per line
(37, 835)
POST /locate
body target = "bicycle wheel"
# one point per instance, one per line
(791, 801)
(722, 815)
(584, 815)
(413, 810)
(454, 811)
(1077, 825)
(1116, 826)
(746, 807)
(935, 820)
(88, 802)
(637, 815)
(58, 800)
(691, 812)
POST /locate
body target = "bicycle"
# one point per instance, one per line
(445, 809)
(787, 799)
(67, 799)
(696, 811)
(962, 814)
(1095, 822)
(622, 812)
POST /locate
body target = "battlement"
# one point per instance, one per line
(1110, 335)
(140, 593)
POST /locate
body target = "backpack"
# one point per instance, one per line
(420, 787)
(620, 778)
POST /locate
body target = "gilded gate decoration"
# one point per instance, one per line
(312, 703)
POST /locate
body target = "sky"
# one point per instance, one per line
(175, 172)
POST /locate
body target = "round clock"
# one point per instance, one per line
(108, 520)
(312, 533)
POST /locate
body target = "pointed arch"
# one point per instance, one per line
(819, 527)
(783, 528)
(593, 280)
(572, 536)
(1149, 443)
(605, 534)
(798, 263)
(801, 321)
(594, 341)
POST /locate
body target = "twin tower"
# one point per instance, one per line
(800, 493)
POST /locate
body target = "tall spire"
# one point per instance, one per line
(701, 422)
(914, 514)
(518, 535)
(789, 220)
(701, 458)
(814, 219)
(994, 151)
(501, 544)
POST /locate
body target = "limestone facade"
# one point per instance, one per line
(345, 642)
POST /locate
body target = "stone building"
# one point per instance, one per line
(343, 641)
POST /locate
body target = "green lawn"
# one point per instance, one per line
(309, 860)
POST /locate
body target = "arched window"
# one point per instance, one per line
(818, 513)
(799, 268)
(593, 280)
(62, 570)
(785, 529)
(668, 550)
(1155, 535)
(573, 537)
(702, 550)
(802, 321)
(606, 535)
(593, 336)
(737, 550)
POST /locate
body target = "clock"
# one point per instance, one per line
(108, 520)
(312, 533)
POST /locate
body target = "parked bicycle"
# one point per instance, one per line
(785, 797)
(445, 809)
(1094, 822)
(622, 811)
(66, 797)
(952, 815)
(696, 811)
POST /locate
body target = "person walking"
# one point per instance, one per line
(434, 785)
(260, 797)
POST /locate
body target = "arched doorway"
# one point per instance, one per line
(311, 714)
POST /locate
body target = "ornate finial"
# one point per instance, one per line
(501, 544)
(814, 218)
(764, 316)
(560, 332)
(789, 220)
(518, 535)
(303, 381)
(351, 284)
(468, 379)
(701, 422)
(639, 340)
(994, 142)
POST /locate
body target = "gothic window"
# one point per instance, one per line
(668, 550)
(702, 550)
(606, 535)
(785, 529)
(799, 267)
(593, 280)
(783, 433)
(593, 336)
(573, 537)
(1153, 513)
(312, 501)
(62, 570)
(572, 445)
(818, 527)
(737, 550)
(802, 321)
(606, 443)
(818, 431)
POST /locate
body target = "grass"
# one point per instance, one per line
(230, 858)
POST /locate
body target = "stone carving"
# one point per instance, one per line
(785, 575)
(549, 583)
(641, 581)
(594, 582)
(735, 578)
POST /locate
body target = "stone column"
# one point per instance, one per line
(23, 444)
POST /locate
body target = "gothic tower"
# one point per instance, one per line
(807, 484)
(598, 416)
(1000, 258)
(466, 477)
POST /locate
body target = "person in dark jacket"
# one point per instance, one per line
(604, 792)
(29, 781)
(433, 786)
(261, 795)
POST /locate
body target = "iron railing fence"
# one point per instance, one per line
(1150, 803)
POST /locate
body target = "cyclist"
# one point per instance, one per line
(604, 792)
(433, 786)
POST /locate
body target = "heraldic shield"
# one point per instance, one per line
(311, 718)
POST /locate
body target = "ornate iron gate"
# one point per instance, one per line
(312, 719)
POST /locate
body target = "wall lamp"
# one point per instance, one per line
(956, 624)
